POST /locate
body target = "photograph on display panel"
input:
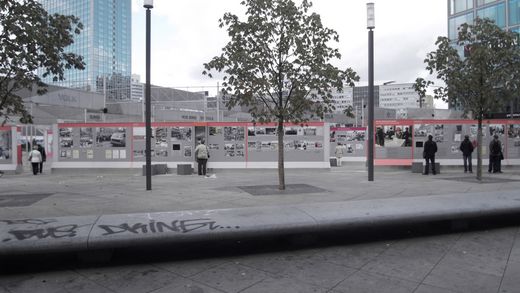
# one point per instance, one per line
(514, 134)
(497, 129)
(161, 137)
(86, 137)
(251, 131)
(514, 131)
(187, 151)
(438, 133)
(5, 144)
(65, 135)
(309, 131)
(393, 136)
(181, 134)
(215, 130)
(473, 130)
(234, 133)
(292, 130)
(111, 137)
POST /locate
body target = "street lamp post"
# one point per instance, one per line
(148, 4)
(370, 26)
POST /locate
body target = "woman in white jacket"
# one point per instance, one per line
(35, 157)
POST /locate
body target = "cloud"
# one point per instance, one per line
(185, 34)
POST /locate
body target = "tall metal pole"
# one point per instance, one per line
(148, 106)
(370, 105)
(370, 153)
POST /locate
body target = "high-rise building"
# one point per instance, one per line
(137, 92)
(505, 13)
(104, 43)
(398, 96)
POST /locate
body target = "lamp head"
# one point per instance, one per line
(371, 19)
(148, 4)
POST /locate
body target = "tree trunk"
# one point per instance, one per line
(479, 149)
(281, 171)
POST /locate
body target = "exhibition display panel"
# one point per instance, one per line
(231, 144)
(10, 150)
(400, 142)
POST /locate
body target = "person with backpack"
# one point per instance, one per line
(202, 155)
(466, 147)
(495, 155)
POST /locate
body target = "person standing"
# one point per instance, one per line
(430, 148)
(406, 137)
(495, 155)
(339, 154)
(41, 149)
(380, 139)
(466, 147)
(202, 155)
(35, 157)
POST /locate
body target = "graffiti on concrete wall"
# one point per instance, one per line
(49, 228)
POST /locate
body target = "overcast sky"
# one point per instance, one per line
(185, 34)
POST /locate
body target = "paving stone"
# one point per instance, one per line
(184, 285)
(129, 279)
(318, 273)
(353, 256)
(511, 281)
(276, 262)
(192, 267)
(60, 281)
(432, 289)
(285, 285)
(366, 282)
(474, 262)
(401, 265)
(462, 280)
(230, 277)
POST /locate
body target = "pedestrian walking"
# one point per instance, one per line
(495, 155)
(339, 154)
(430, 148)
(35, 157)
(41, 149)
(466, 147)
(202, 155)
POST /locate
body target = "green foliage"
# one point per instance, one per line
(277, 62)
(483, 81)
(31, 39)
(420, 86)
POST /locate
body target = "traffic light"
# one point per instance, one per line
(105, 110)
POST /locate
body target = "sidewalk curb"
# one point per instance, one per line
(86, 233)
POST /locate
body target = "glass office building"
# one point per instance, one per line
(104, 43)
(505, 13)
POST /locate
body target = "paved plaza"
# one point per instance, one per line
(484, 260)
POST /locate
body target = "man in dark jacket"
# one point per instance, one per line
(495, 155)
(466, 147)
(430, 148)
(41, 149)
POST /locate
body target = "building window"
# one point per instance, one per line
(457, 6)
(455, 22)
(514, 12)
(496, 13)
(484, 2)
